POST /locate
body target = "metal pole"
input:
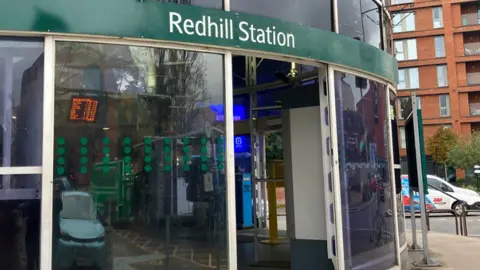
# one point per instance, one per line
(414, 245)
(426, 257)
(251, 79)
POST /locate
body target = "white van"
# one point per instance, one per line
(439, 199)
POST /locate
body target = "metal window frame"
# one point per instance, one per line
(46, 234)
(447, 104)
(335, 160)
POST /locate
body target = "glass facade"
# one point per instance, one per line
(140, 140)
(308, 12)
(365, 179)
(135, 168)
(361, 20)
(218, 4)
(21, 102)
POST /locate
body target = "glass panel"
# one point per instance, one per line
(396, 2)
(21, 102)
(413, 78)
(399, 50)
(434, 182)
(439, 46)
(202, 3)
(365, 173)
(309, 12)
(412, 49)
(437, 17)
(140, 133)
(401, 79)
(444, 105)
(20, 222)
(360, 19)
(442, 76)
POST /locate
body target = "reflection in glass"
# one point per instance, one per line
(20, 224)
(21, 102)
(308, 12)
(364, 172)
(202, 3)
(361, 19)
(139, 139)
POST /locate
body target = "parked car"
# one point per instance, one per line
(82, 235)
(441, 195)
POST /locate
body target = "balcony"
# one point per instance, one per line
(472, 48)
(474, 109)
(470, 19)
(473, 78)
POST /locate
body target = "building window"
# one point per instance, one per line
(447, 126)
(398, 2)
(439, 46)
(408, 78)
(402, 101)
(442, 76)
(403, 142)
(437, 17)
(404, 105)
(406, 49)
(403, 22)
(444, 106)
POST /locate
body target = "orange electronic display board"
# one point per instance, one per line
(83, 109)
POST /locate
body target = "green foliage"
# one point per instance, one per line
(441, 143)
(274, 146)
(466, 152)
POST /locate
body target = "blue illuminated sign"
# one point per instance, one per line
(239, 112)
(242, 143)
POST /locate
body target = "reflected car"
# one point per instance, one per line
(82, 235)
(64, 183)
(441, 195)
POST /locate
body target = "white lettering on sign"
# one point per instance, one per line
(223, 28)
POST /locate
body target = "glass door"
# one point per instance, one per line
(21, 110)
(139, 158)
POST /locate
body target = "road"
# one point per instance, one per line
(446, 223)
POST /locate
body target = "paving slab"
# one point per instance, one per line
(453, 251)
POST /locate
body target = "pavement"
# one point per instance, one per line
(453, 252)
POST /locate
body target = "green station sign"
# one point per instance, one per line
(151, 20)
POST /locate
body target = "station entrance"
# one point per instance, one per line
(140, 161)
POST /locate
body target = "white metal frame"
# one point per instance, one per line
(47, 154)
(336, 174)
(339, 245)
(20, 170)
(392, 176)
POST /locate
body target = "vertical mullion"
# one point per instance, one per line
(47, 154)
(339, 243)
(230, 166)
(392, 176)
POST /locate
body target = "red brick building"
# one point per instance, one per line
(437, 44)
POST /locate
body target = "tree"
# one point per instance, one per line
(440, 145)
(274, 146)
(466, 152)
